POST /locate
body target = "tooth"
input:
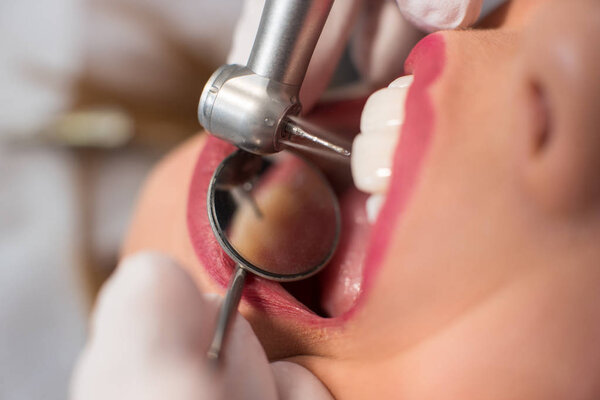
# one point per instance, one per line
(384, 111)
(371, 162)
(403, 81)
(373, 148)
(373, 205)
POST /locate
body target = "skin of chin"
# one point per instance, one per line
(484, 291)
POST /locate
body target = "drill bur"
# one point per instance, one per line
(293, 130)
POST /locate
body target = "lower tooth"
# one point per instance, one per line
(402, 82)
(373, 206)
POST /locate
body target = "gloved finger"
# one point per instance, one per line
(295, 382)
(433, 15)
(381, 42)
(150, 333)
(329, 49)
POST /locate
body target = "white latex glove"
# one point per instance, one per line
(150, 333)
(432, 15)
(381, 34)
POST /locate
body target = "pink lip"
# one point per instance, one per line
(426, 63)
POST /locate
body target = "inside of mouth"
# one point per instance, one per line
(308, 292)
(333, 291)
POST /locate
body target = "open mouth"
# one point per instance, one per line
(336, 292)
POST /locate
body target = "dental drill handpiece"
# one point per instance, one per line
(250, 106)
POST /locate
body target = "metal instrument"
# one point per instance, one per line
(250, 106)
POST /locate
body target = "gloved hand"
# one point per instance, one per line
(380, 33)
(150, 333)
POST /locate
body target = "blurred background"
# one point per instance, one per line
(92, 94)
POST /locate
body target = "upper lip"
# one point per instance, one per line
(271, 296)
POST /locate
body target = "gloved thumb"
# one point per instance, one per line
(433, 15)
(150, 332)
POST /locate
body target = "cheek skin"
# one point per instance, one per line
(159, 219)
(512, 14)
(471, 299)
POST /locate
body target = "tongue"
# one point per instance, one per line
(341, 281)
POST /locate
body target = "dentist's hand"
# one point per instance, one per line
(150, 332)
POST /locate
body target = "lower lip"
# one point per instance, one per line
(270, 297)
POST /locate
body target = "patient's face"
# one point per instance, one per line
(480, 277)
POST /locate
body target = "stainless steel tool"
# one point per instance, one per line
(250, 106)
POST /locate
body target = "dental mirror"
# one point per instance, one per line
(276, 217)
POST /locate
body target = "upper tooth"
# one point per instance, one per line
(403, 81)
(384, 111)
(373, 148)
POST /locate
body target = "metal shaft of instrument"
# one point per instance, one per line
(286, 38)
(244, 195)
(227, 312)
(295, 130)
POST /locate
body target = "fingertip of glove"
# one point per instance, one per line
(296, 382)
(439, 15)
(145, 283)
(147, 272)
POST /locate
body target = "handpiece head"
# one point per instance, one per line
(247, 109)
